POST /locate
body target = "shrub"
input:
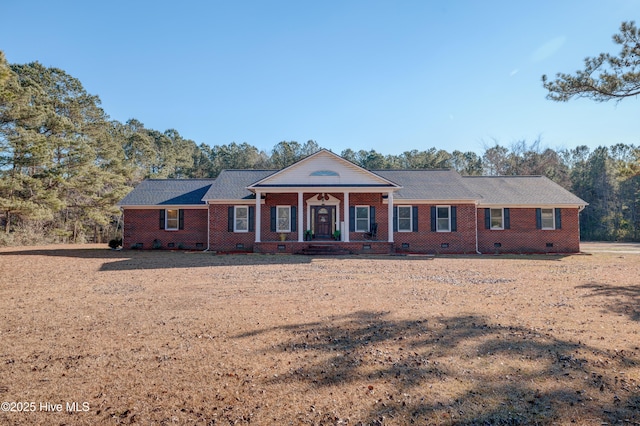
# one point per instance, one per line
(115, 243)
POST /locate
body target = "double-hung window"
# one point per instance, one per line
(547, 217)
(240, 218)
(405, 219)
(283, 219)
(497, 218)
(443, 218)
(172, 219)
(241, 214)
(362, 218)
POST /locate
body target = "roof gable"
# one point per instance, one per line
(323, 168)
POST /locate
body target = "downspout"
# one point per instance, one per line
(476, 209)
(208, 227)
(580, 208)
(123, 223)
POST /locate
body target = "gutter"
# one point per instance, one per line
(123, 224)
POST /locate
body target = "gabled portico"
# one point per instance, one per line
(320, 197)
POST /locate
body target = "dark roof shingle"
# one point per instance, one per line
(428, 185)
(520, 190)
(436, 185)
(158, 192)
(232, 184)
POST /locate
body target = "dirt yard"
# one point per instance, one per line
(93, 336)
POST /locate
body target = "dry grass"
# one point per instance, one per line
(195, 338)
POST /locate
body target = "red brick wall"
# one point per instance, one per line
(141, 226)
(224, 240)
(273, 200)
(524, 237)
(221, 238)
(426, 241)
(382, 215)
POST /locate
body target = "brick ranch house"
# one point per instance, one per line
(324, 199)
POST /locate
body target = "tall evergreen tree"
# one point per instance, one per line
(60, 163)
(466, 163)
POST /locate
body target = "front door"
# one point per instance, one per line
(323, 220)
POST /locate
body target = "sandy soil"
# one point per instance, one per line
(93, 336)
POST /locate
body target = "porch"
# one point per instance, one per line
(322, 215)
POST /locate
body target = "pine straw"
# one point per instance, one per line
(198, 338)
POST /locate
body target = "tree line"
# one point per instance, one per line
(64, 164)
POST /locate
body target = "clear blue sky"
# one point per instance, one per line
(385, 75)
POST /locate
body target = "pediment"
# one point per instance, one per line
(323, 169)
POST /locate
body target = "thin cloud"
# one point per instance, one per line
(548, 49)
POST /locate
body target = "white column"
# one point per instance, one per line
(258, 220)
(300, 217)
(390, 207)
(345, 232)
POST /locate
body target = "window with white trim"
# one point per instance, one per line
(443, 218)
(283, 218)
(241, 215)
(547, 217)
(362, 218)
(405, 219)
(497, 218)
(172, 221)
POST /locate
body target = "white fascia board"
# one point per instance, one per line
(236, 202)
(326, 189)
(406, 201)
(532, 206)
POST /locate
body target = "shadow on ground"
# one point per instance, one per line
(623, 299)
(124, 260)
(454, 370)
